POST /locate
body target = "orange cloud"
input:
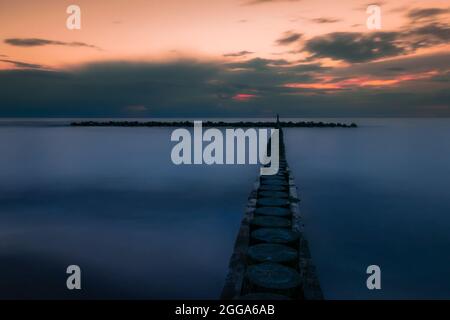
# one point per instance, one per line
(324, 86)
(329, 83)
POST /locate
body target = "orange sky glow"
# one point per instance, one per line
(253, 49)
(203, 29)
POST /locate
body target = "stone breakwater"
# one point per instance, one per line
(240, 124)
(271, 258)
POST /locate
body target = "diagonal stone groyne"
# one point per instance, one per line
(271, 258)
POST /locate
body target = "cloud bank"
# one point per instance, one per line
(255, 87)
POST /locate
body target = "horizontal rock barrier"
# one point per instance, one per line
(240, 124)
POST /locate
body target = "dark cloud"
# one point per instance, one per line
(258, 64)
(21, 64)
(325, 20)
(37, 42)
(200, 89)
(238, 54)
(428, 35)
(265, 75)
(394, 66)
(427, 13)
(255, 2)
(107, 88)
(288, 38)
(355, 47)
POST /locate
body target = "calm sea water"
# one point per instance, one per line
(379, 194)
(111, 201)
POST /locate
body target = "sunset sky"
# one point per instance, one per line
(153, 58)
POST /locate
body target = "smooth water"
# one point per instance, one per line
(377, 195)
(111, 201)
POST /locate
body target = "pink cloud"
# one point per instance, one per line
(244, 97)
(328, 83)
